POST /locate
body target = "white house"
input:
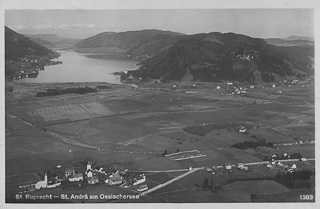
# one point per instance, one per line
(114, 179)
(139, 179)
(142, 188)
(76, 177)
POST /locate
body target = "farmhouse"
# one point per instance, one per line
(228, 167)
(142, 188)
(242, 129)
(76, 177)
(93, 180)
(69, 172)
(139, 179)
(114, 179)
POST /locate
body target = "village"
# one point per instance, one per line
(70, 177)
(80, 176)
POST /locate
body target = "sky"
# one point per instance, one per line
(259, 23)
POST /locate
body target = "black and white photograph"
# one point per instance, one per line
(159, 103)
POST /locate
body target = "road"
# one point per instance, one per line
(171, 181)
(287, 160)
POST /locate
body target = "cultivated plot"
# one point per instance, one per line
(72, 111)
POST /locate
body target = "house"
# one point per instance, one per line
(54, 185)
(251, 87)
(240, 165)
(242, 129)
(76, 177)
(273, 85)
(244, 168)
(228, 167)
(93, 180)
(303, 159)
(115, 179)
(294, 166)
(69, 172)
(139, 179)
(142, 188)
(218, 87)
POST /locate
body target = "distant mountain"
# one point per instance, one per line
(17, 46)
(229, 56)
(42, 42)
(52, 40)
(288, 42)
(292, 38)
(134, 43)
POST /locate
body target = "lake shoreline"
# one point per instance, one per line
(82, 67)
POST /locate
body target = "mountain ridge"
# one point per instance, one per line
(216, 56)
(17, 46)
(52, 40)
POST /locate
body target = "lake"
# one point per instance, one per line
(84, 67)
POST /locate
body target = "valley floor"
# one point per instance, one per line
(133, 127)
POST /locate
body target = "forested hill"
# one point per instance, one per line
(216, 56)
(135, 43)
(17, 46)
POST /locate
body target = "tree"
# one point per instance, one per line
(178, 150)
(205, 183)
(165, 153)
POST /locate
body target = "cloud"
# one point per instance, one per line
(64, 26)
(18, 27)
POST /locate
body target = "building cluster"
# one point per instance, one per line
(241, 166)
(296, 143)
(70, 176)
(183, 155)
(288, 168)
(247, 57)
(241, 129)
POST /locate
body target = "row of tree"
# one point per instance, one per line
(252, 144)
(58, 91)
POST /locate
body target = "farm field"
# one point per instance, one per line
(259, 187)
(133, 128)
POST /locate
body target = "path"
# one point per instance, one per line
(171, 181)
